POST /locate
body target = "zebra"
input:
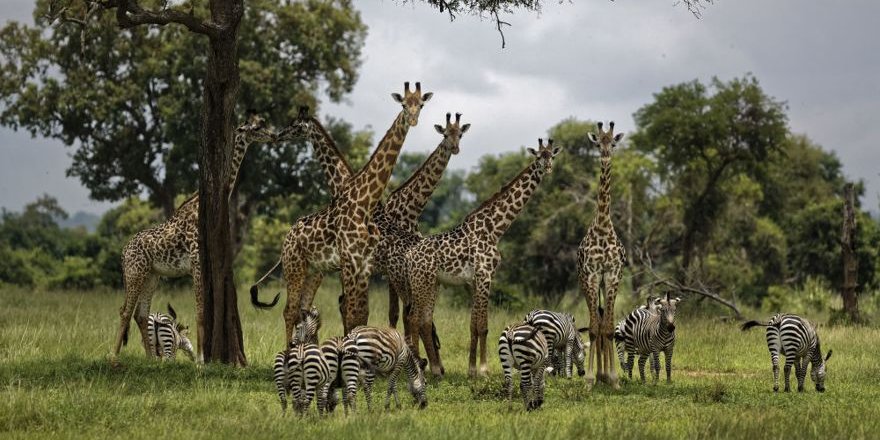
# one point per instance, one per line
(307, 329)
(385, 351)
(797, 340)
(301, 371)
(652, 304)
(166, 335)
(648, 331)
(563, 338)
(525, 348)
(340, 353)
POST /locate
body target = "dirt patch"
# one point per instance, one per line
(707, 373)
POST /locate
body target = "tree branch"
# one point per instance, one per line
(130, 14)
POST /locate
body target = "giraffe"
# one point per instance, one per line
(469, 255)
(342, 236)
(398, 218)
(171, 249)
(336, 169)
(600, 260)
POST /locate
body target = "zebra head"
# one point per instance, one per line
(417, 380)
(580, 351)
(309, 324)
(184, 343)
(667, 311)
(818, 373)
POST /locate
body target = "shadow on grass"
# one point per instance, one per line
(138, 374)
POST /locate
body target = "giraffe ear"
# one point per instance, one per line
(465, 128)
(427, 96)
(592, 137)
(397, 97)
(556, 150)
(618, 137)
(532, 152)
(438, 128)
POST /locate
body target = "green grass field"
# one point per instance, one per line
(56, 382)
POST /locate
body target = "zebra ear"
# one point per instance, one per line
(828, 356)
(423, 363)
(172, 312)
(583, 329)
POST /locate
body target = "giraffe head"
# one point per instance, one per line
(545, 154)
(299, 127)
(412, 102)
(256, 129)
(605, 140)
(453, 132)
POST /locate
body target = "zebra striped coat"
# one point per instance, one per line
(166, 335)
(385, 351)
(563, 338)
(340, 353)
(647, 331)
(524, 347)
(797, 340)
(301, 371)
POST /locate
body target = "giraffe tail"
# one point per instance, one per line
(255, 291)
(435, 337)
(751, 324)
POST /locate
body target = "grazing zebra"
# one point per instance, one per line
(525, 348)
(385, 351)
(563, 338)
(166, 335)
(302, 372)
(307, 329)
(797, 340)
(648, 331)
(340, 353)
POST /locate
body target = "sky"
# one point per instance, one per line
(590, 59)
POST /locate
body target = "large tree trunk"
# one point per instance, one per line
(223, 341)
(850, 261)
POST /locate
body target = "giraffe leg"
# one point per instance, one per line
(589, 283)
(396, 286)
(612, 284)
(196, 272)
(355, 284)
(480, 322)
(140, 317)
(294, 268)
(423, 319)
(310, 286)
(135, 280)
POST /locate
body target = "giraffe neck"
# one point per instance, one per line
(369, 183)
(242, 142)
(603, 198)
(406, 203)
(498, 212)
(336, 169)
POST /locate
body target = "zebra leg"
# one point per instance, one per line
(800, 372)
(668, 353)
(642, 359)
(525, 385)
(569, 353)
(630, 363)
(788, 364)
(369, 377)
(655, 366)
(538, 387)
(774, 358)
(392, 389)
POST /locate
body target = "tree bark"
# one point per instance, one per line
(223, 334)
(850, 260)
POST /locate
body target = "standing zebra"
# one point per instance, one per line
(651, 304)
(385, 351)
(166, 335)
(340, 353)
(563, 338)
(301, 371)
(525, 348)
(648, 331)
(797, 340)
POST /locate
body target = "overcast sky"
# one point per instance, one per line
(594, 59)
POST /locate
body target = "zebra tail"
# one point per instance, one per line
(751, 324)
(255, 291)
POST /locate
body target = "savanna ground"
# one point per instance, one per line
(55, 381)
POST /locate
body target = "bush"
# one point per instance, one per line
(76, 273)
(813, 297)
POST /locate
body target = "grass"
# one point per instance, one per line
(55, 381)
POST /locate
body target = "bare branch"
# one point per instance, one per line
(130, 14)
(671, 283)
